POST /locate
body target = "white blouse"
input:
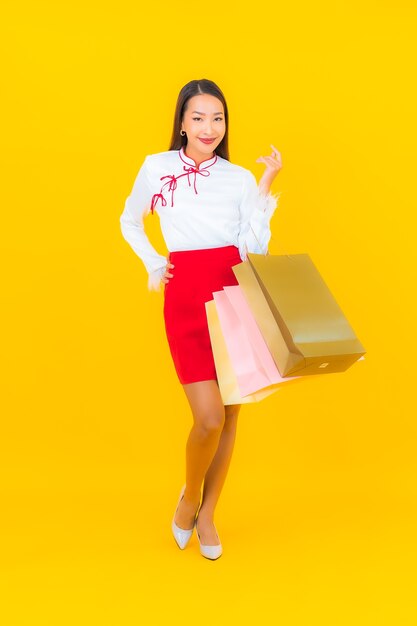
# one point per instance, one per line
(216, 204)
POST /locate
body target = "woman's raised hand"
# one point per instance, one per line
(273, 166)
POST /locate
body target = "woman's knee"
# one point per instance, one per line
(209, 424)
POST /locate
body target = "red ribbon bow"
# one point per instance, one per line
(172, 184)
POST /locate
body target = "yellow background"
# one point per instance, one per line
(318, 514)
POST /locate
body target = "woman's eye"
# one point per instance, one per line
(199, 118)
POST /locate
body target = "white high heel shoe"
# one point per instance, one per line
(181, 535)
(210, 552)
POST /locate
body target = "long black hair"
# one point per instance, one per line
(195, 88)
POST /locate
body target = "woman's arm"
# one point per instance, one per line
(256, 211)
(137, 205)
(257, 207)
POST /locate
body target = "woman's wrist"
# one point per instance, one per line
(265, 186)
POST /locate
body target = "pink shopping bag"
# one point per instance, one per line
(251, 359)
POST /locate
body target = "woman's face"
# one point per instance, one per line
(203, 119)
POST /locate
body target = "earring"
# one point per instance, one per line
(182, 132)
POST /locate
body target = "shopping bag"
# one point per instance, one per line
(302, 324)
(226, 377)
(251, 359)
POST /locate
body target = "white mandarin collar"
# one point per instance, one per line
(203, 165)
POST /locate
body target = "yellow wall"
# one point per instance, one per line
(94, 420)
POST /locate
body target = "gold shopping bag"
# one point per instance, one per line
(303, 326)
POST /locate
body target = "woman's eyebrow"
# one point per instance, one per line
(200, 113)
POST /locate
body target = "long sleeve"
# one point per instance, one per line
(256, 210)
(137, 205)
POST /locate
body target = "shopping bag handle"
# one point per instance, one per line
(260, 247)
(267, 251)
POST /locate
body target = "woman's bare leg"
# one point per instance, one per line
(209, 418)
(216, 476)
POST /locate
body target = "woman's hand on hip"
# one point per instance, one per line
(167, 275)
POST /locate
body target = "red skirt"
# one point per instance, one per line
(197, 273)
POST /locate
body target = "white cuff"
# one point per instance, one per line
(155, 279)
(267, 203)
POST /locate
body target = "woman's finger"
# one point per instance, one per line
(271, 161)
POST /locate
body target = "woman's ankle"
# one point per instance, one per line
(192, 498)
(205, 514)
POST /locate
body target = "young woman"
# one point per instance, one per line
(211, 213)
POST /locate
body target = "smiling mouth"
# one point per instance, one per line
(207, 140)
